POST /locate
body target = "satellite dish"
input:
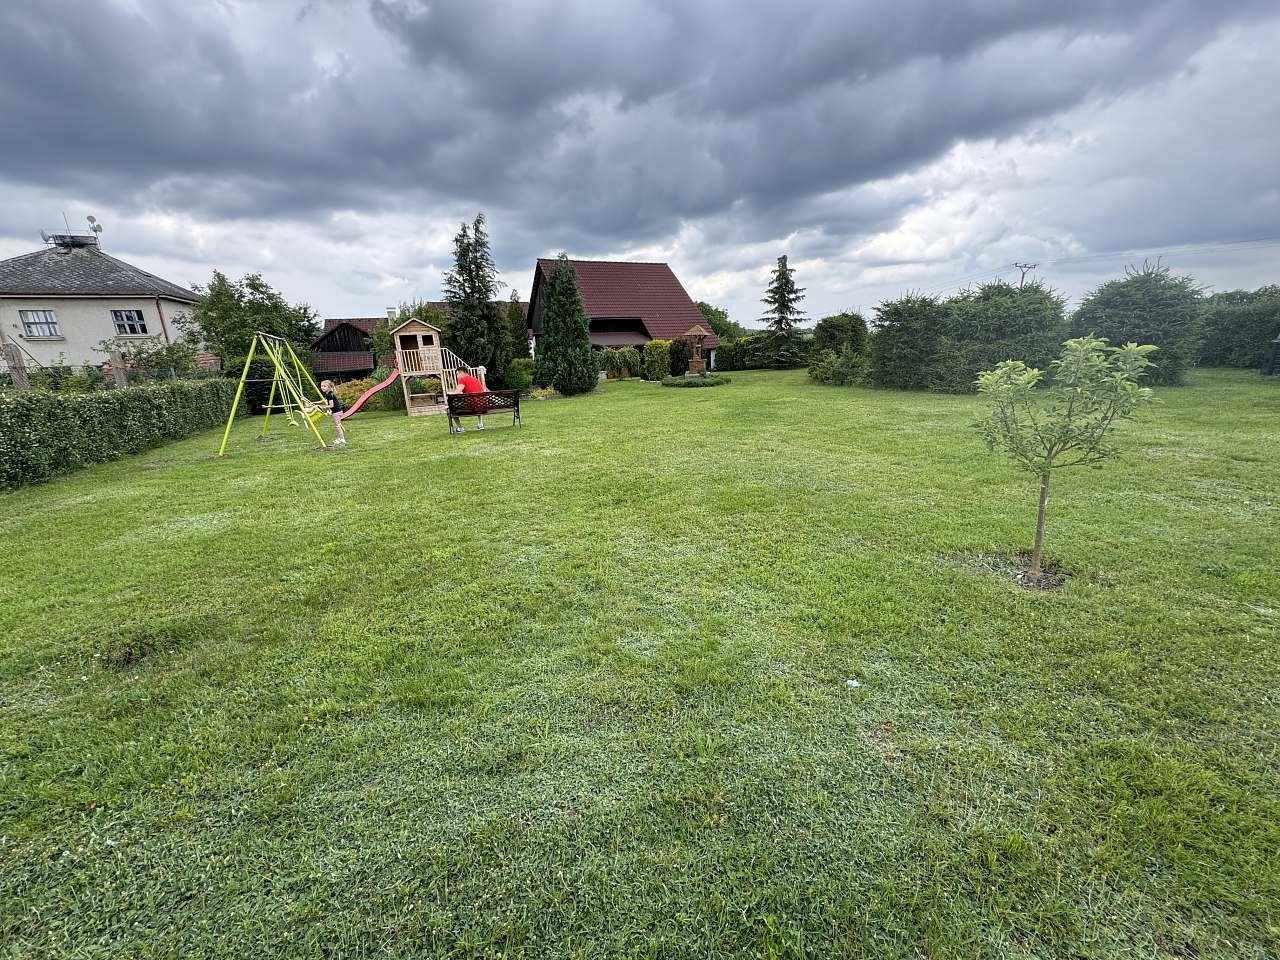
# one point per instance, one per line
(44, 235)
(91, 218)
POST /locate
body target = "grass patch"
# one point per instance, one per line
(580, 689)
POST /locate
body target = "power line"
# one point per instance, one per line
(1174, 250)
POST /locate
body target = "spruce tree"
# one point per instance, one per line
(783, 299)
(564, 349)
(477, 330)
(517, 327)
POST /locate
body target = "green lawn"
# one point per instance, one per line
(580, 689)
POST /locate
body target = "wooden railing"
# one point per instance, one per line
(416, 363)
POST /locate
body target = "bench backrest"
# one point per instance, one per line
(495, 401)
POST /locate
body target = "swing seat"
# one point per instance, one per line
(316, 415)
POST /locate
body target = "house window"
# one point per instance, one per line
(39, 323)
(129, 323)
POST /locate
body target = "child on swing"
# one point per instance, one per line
(332, 406)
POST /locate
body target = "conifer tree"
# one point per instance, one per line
(564, 349)
(783, 299)
(477, 330)
(517, 327)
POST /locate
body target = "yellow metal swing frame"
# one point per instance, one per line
(289, 382)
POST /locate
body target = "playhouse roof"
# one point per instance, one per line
(421, 323)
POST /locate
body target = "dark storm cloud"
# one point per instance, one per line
(584, 125)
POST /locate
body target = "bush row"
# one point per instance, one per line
(1239, 327)
(702, 380)
(763, 351)
(43, 434)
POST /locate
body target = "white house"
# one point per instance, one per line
(58, 304)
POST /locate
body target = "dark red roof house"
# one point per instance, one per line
(627, 303)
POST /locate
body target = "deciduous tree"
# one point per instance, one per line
(1068, 424)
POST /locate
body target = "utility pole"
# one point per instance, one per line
(1025, 268)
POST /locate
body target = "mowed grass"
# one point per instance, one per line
(580, 689)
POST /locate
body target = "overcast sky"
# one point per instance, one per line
(887, 146)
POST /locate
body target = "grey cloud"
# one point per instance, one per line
(599, 127)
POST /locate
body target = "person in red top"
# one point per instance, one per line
(469, 384)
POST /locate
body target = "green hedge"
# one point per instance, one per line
(43, 434)
(698, 380)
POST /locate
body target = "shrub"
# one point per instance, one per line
(705, 380)
(520, 373)
(610, 361)
(843, 331)
(349, 392)
(843, 369)
(852, 369)
(907, 341)
(1239, 327)
(657, 359)
(631, 362)
(1151, 306)
(768, 351)
(994, 323)
(681, 356)
(822, 365)
(43, 434)
(922, 343)
(391, 397)
(728, 355)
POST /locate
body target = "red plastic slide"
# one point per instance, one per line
(355, 407)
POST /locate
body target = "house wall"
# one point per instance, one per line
(83, 323)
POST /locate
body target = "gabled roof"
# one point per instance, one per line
(421, 323)
(363, 324)
(626, 288)
(82, 271)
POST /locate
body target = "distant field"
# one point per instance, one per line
(580, 689)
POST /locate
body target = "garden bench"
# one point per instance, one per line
(481, 404)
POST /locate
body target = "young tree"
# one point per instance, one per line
(1149, 305)
(719, 322)
(783, 299)
(1092, 388)
(564, 349)
(517, 326)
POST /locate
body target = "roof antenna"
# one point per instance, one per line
(66, 221)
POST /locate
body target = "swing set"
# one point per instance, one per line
(289, 383)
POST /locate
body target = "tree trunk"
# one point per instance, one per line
(1037, 552)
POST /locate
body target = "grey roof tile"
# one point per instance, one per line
(82, 272)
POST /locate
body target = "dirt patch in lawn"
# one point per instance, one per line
(1015, 568)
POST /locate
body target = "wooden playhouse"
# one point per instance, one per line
(421, 357)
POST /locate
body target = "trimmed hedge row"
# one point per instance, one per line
(44, 434)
